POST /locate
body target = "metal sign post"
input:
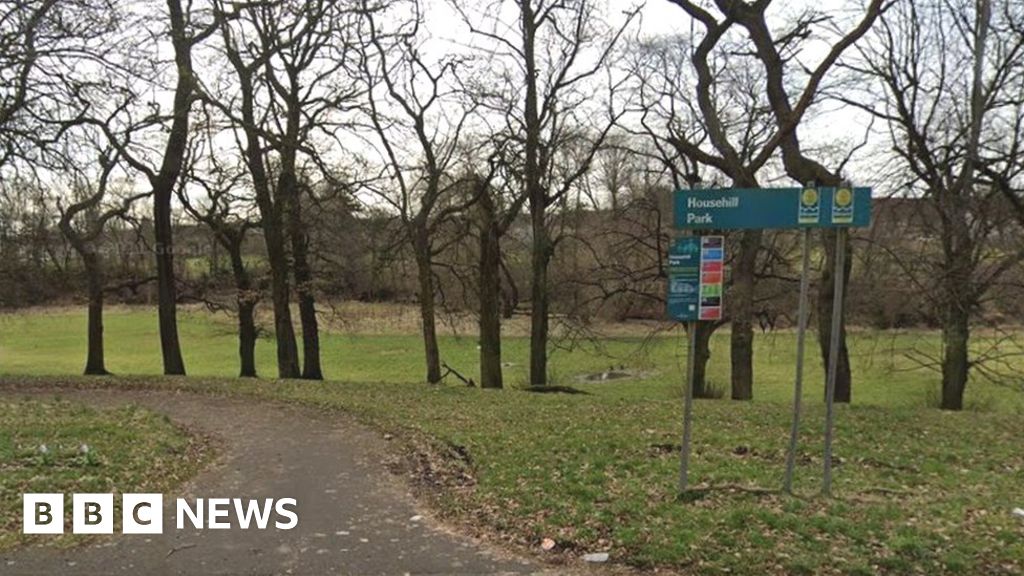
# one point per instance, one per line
(833, 356)
(684, 280)
(684, 452)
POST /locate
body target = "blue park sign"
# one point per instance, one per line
(742, 208)
(695, 278)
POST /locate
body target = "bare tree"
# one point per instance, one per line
(226, 210)
(302, 38)
(417, 113)
(47, 51)
(615, 170)
(780, 56)
(714, 114)
(951, 76)
(287, 57)
(241, 108)
(183, 38)
(185, 30)
(547, 65)
(498, 203)
(47, 46)
(82, 222)
(20, 29)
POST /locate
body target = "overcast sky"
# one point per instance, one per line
(837, 125)
(661, 17)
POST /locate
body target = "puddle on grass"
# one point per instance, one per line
(605, 376)
(612, 375)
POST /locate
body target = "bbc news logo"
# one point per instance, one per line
(144, 513)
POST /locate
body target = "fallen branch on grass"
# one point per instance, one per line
(449, 370)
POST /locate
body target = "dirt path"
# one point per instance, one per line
(354, 517)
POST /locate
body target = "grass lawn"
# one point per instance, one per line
(918, 490)
(59, 446)
(52, 342)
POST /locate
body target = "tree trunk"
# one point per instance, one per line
(702, 353)
(958, 245)
(539, 299)
(246, 336)
(277, 258)
(490, 304)
(427, 315)
(273, 236)
(284, 332)
(95, 364)
(955, 362)
(167, 293)
(291, 204)
(509, 292)
(958, 299)
(741, 297)
(533, 172)
(246, 301)
(311, 369)
(825, 295)
(163, 188)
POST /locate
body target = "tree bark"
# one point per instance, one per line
(955, 362)
(95, 364)
(539, 300)
(246, 336)
(246, 307)
(277, 256)
(303, 273)
(702, 354)
(538, 200)
(167, 294)
(509, 292)
(843, 389)
(489, 272)
(427, 315)
(311, 369)
(959, 298)
(741, 348)
(291, 205)
(284, 332)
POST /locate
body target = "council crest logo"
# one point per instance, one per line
(809, 197)
(844, 197)
(842, 206)
(809, 211)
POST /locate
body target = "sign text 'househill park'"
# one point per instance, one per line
(739, 208)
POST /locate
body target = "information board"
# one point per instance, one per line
(696, 278)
